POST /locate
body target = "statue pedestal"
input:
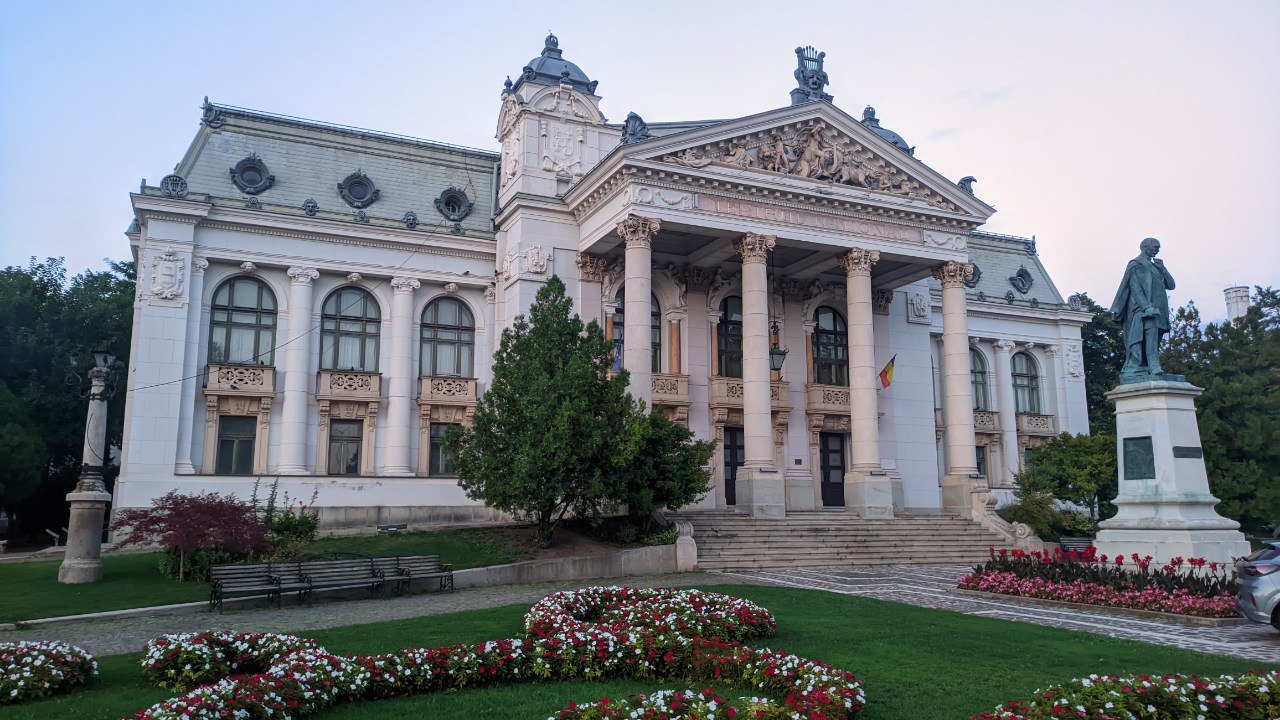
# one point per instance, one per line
(762, 492)
(82, 562)
(1164, 508)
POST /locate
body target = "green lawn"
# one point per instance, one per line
(916, 664)
(31, 590)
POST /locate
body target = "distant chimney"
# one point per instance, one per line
(1237, 301)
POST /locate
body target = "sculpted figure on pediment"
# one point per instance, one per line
(809, 151)
(773, 154)
(737, 154)
(689, 158)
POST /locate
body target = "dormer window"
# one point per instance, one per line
(251, 175)
(358, 190)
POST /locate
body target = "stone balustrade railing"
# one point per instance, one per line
(241, 380)
(986, 421)
(728, 392)
(349, 385)
(1035, 424)
(446, 390)
(670, 389)
(828, 399)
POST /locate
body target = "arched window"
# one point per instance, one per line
(978, 375)
(448, 338)
(1026, 384)
(242, 323)
(729, 337)
(830, 348)
(350, 323)
(655, 331)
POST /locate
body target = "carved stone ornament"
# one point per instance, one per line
(881, 299)
(720, 283)
(173, 186)
(811, 79)
(675, 276)
(561, 147)
(360, 216)
(591, 268)
(529, 261)
(1008, 297)
(755, 248)
(253, 203)
(450, 288)
(302, 275)
(210, 115)
(858, 261)
(404, 284)
(966, 183)
(410, 219)
(251, 175)
(918, 310)
(310, 207)
(664, 198)
(167, 275)
(634, 129)
(1021, 280)
(1075, 302)
(948, 241)
(953, 274)
(1004, 346)
(248, 267)
(972, 280)
(1075, 363)
(637, 231)
(199, 265)
(698, 279)
(354, 278)
(454, 204)
(490, 294)
(357, 190)
(792, 289)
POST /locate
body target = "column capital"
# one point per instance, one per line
(953, 274)
(199, 265)
(302, 275)
(859, 262)
(591, 268)
(1004, 346)
(638, 231)
(404, 285)
(793, 290)
(881, 299)
(1053, 351)
(754, 248)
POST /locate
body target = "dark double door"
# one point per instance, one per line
(735, 454)
(831, 466)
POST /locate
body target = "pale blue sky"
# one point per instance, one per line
(1088, 124)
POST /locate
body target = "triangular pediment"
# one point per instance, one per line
(814, 142)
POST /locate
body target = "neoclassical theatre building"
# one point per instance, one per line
(317, 304)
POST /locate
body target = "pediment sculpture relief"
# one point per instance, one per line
(813, 151)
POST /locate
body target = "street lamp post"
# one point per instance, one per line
(83, 560)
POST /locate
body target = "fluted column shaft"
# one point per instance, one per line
(756, 410)
(958, 411)
(863, 404)
(637, 345)
(297, 356)
(184, 464)
(1008, 409)
(400, 385)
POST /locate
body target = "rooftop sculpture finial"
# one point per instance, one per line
(810, 77)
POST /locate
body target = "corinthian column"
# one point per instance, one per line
(958, 405)
(1008, 416)
(868, 491)
(760, 487)
(297, 356)
(400, 385)
(637, 345)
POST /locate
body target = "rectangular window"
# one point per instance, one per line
(441, 461)
(345, 439)
(981, 452)
(236, 436)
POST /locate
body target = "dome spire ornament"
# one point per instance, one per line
(869, 120)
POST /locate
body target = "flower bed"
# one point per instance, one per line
(31, 670)
(1143, 697)
(591, 633)
(1185, 587)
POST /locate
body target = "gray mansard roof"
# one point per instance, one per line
(1007, 264)
(308, 160)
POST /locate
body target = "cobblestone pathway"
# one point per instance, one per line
(931, 586)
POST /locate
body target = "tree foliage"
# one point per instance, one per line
(1238, 365)
(21, 447)
(665, 470)
(214, 526)
(1078, 469)
(49, 326)
(545, 438)
(1103, 349)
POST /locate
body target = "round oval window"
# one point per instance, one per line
(251, 176)
(358, 190)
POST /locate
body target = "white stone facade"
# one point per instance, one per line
(847, 228)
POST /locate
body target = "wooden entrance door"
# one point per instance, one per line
(831, 457)
(735, 454)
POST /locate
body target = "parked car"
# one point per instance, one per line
(1258, 583)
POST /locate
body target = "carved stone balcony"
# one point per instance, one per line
(828, 399)
(447, 390)
(985, 421)
(349, 385)
(727, 393)
(252, 380)
(670, 390)
(1034, 424)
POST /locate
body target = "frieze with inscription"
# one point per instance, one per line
(804, 218)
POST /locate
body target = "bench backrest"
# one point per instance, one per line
(336, 569)
(240, 574)
(420, 563)
(385, 564)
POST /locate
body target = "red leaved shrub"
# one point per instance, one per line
(195, 530)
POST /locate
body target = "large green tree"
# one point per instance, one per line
(665, 470)
(1079, 469)
(546, 441)
(49, 326)
(1238, 365)
(1102, 344)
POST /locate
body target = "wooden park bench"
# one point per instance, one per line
(341, 574)
(248, 579)
(335, 571)
(422, 567)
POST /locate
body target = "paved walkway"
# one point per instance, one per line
(931, 586)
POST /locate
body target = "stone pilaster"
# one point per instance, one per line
(958, 402)
(297, 373)
(397, 459)
(1008, 411)
(184, 462)
(590, 276)
(637, 232)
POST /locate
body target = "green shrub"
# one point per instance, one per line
(194, 565)
(663, 536)
(1034, 509)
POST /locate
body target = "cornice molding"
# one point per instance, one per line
(418, 243)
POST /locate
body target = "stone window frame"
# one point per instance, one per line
(219, 404)
(1026, 383)
(364, 410)
(259, 327)
(834, 338)
(466, 338)
(723, 326)
(371, 332)
(438, 414)
(978, 380)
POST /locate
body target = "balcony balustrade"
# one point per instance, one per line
(1036, 424)
(447, 390)
(728, 392)
(255, 380)
(670, 390)
(828, 399)
(986, 421)
(349, 385)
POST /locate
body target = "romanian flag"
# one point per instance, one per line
(886, 375)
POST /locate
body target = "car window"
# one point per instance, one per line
(1266, 553)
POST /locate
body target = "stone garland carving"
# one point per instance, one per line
(859, 262)
(953, 274)
(881, 299)
(755, 248)
(591, 268)
(664, 198)
(240, 375)
(946, 241)
(168, 275)
(302, 275)
(637, 231)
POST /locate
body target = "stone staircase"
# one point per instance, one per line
(729, 540)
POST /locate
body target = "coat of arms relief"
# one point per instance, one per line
(168, 274)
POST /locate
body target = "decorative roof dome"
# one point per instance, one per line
(550, 68)
(869, 119)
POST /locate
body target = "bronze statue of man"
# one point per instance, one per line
(1142, 308)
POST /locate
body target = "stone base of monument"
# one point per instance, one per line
(1164, 508)
(868, 494)
(761, 492)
